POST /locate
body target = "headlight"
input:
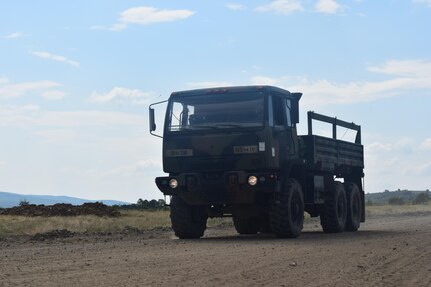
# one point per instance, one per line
(252, 180)
(173, 183)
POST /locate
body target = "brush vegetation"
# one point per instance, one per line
(401, 209)
(137, 219)
(398, 197)
(147, 220)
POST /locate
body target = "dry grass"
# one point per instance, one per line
(144, 220)
(398, 209)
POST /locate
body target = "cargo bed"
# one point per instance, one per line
(329, 154)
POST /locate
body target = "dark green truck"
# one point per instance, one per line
(235, 151)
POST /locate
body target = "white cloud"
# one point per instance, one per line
(326, 92)
(379, 147)
(403, 75)
(148, 15)
(235, 6)
(118, 27)
(14, 35)
(57, 58)
(120, 94)
(424, 168)
(263, 80)
(393, 163)
(146, 166)
(55, 136)
(405, 68)
(426, 2)
(33, 116)
(285, 7)
(207, 84)
(426, 144)
(390, 145)
(16, 90)
(327, 6)
(88, 118)
(407, 75)
(16, 115)
(53, 95)
(91, 145)
(115, 27)
(145, 16)
(3, 80)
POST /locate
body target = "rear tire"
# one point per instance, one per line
(287, 210)
(187, 221)
(334, 211)
(246, 225)
(353, 207)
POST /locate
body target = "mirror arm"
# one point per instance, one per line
(151, 114)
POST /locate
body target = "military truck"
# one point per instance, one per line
(235, 152)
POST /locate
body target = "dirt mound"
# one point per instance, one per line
(62, 233)
(62, 209)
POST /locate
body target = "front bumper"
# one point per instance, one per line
(218, 188)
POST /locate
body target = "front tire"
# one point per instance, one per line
(246, 225)
(353, 207)
(334, 211)
(287, 210)
(187, 221)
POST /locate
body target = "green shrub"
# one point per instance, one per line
(396, 201)
(422, 198)
(24, 202)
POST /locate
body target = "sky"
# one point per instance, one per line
(76, 79)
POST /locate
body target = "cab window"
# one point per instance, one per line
(278, 111)
(288, 112)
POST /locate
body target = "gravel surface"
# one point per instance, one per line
(386, 251)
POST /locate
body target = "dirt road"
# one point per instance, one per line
(387, 251)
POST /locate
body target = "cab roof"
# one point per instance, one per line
(230, 89)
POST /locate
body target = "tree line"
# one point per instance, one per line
(145, 205)
(399, 197)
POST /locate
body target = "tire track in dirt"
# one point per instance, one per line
(404, 259)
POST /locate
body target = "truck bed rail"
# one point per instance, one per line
(335, 122)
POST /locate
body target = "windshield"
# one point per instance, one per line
(216, 111)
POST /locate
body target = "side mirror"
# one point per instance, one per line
(152, 120)
(295, 107)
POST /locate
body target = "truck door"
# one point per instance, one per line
(281, 121)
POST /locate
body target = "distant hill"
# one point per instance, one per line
(8, 199)
(383, 197)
